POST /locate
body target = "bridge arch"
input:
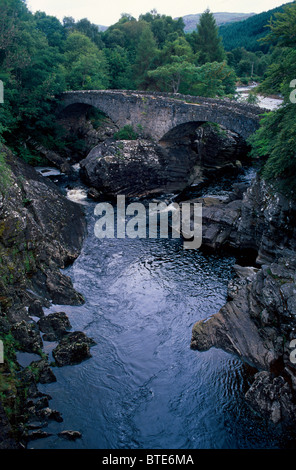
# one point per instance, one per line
(181, 132)
(158, 114)
(175, 126)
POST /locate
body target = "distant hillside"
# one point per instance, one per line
(246, 33)
(102, 28)
(221, 18)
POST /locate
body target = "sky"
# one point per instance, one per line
(102, 12)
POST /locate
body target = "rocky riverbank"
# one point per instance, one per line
(258, 322)
(40, 232)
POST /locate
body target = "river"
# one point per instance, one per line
(144, 387)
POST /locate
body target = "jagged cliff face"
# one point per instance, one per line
(267, 222)
(40, 233)
(259, 321)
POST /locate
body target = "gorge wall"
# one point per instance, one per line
(40, 232)
(258, 322)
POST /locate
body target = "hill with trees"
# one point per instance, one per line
(191, 21)
(247, 33)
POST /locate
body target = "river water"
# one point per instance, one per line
(144, 387)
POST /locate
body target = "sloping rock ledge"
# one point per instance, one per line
(258, 322)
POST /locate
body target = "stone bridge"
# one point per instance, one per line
(163, 116)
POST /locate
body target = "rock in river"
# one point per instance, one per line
(73, 349)
(55, 326)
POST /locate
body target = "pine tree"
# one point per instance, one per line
(207, 42)
(145, 54)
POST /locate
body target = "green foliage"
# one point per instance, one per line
(12, 392)
(276, 137)
(248, 64)
(206, 41)
(120, 68)
(52, 28)
(215, 79)
(280, 73)
(5, 174)
(276, 140)
(247, 33)
(126, 133)
(163, 26)
(252, 98)
(171, 77)
(145, 55)
(39, 58)
(86, 65)
(282, 27)
(210, 80)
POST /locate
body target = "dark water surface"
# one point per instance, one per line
(144, 387)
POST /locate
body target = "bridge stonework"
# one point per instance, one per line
(159, 113)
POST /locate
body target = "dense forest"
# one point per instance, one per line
(41, 57)
(248, 33)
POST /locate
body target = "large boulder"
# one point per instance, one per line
(254, 219)
(27, 336)
(190, 153)
(128, 167)
(55, 326)
(258, 325)
(272, 397)
(73, 349)
(267, 222)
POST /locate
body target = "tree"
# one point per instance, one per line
(68, 23)
(206, 41)
(89, 72)
(30, 72)
(283, 27)
(177, 47)
(90, 30)
(145, 54)
(170, 76)
(247, 33)
(214, 79)
(210, 80)
(86, 65)
(51, 27)
(276, 137)
(162, 26)
(120, 69)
